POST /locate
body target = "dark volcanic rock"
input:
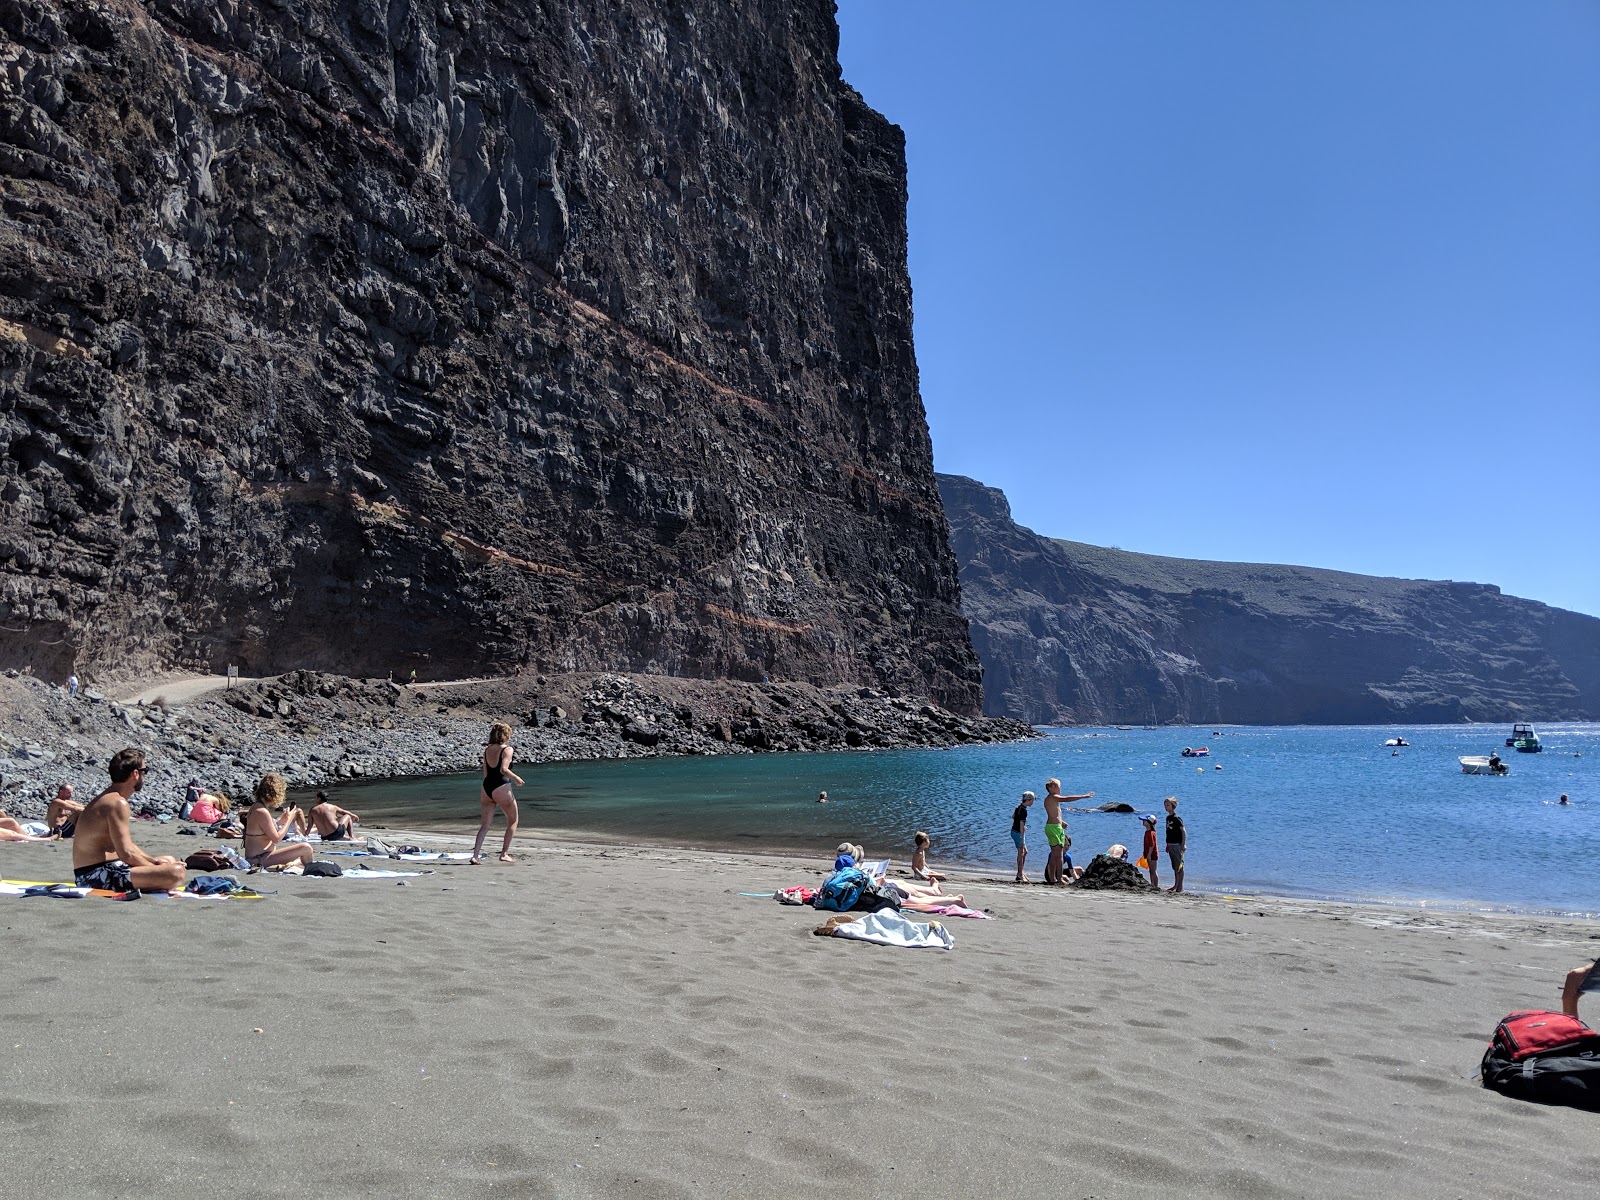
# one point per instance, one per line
(1105, 873)
(318, 728)
(1070, 633)
(469, 335)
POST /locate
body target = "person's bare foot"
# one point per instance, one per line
(476, 860)
(507, 858)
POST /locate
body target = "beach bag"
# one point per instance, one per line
(321, 867)
(208, 860)
(1545, 1058)
(876, 897)
(840, 891)
(1533, 1032)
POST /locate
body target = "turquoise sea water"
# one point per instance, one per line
(1303, 810)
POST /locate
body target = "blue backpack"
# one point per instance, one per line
(840, 891)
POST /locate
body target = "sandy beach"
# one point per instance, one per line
(596, 1022)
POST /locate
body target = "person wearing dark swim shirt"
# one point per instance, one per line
(1177, 841)
(1019, 831)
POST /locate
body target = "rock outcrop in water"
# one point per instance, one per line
(1074, 633)
(361, 334)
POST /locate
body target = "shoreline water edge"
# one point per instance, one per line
(321, 731)
(317, 729)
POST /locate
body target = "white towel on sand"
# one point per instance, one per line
(889, 928)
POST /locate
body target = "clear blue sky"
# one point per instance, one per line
(1304, 281)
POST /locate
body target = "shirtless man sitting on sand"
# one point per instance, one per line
(335, 824)
(1055, 830)
(63, 811)
(103, 851)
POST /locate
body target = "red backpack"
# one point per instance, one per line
(1528, 1034)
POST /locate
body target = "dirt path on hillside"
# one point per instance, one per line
(180, 689)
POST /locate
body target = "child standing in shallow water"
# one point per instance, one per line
(919, 859)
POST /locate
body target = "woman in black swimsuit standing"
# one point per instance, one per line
(497, 780)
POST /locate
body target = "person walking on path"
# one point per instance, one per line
(1055, 829)
(1177, 842)
(497, 780)
(72, 684)
(1019, 833)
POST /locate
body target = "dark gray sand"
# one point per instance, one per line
(592, 1022)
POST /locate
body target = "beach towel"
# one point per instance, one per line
(59, 890)
(890, 928)
(955, 910)
(358, 873)
(71, 891)
(36, 828)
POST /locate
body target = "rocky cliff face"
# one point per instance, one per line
(363, 334)
(1075, 633)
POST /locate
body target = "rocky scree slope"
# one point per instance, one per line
(318, 729)
(1071, 633)
(362, 334)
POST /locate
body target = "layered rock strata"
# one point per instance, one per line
(361, 334)
(1072, 633)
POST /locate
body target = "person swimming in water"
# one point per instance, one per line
(497, 780)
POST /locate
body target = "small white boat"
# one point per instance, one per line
(1483, 764)
(1397, 742)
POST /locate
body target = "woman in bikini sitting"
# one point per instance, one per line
(497, 780)
(263, 835)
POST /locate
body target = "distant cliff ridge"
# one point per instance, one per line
(362, 334)
(1071, 633)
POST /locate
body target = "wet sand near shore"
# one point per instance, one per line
(593, 1021)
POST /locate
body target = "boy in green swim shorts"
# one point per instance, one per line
(1055, 830)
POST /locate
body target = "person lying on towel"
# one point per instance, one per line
(103, 851)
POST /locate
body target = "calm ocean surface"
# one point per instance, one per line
(1300, 811)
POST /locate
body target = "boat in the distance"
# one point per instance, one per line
(1483, 764)
(1524, 738)
(1197, 751)
(1397, 742)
